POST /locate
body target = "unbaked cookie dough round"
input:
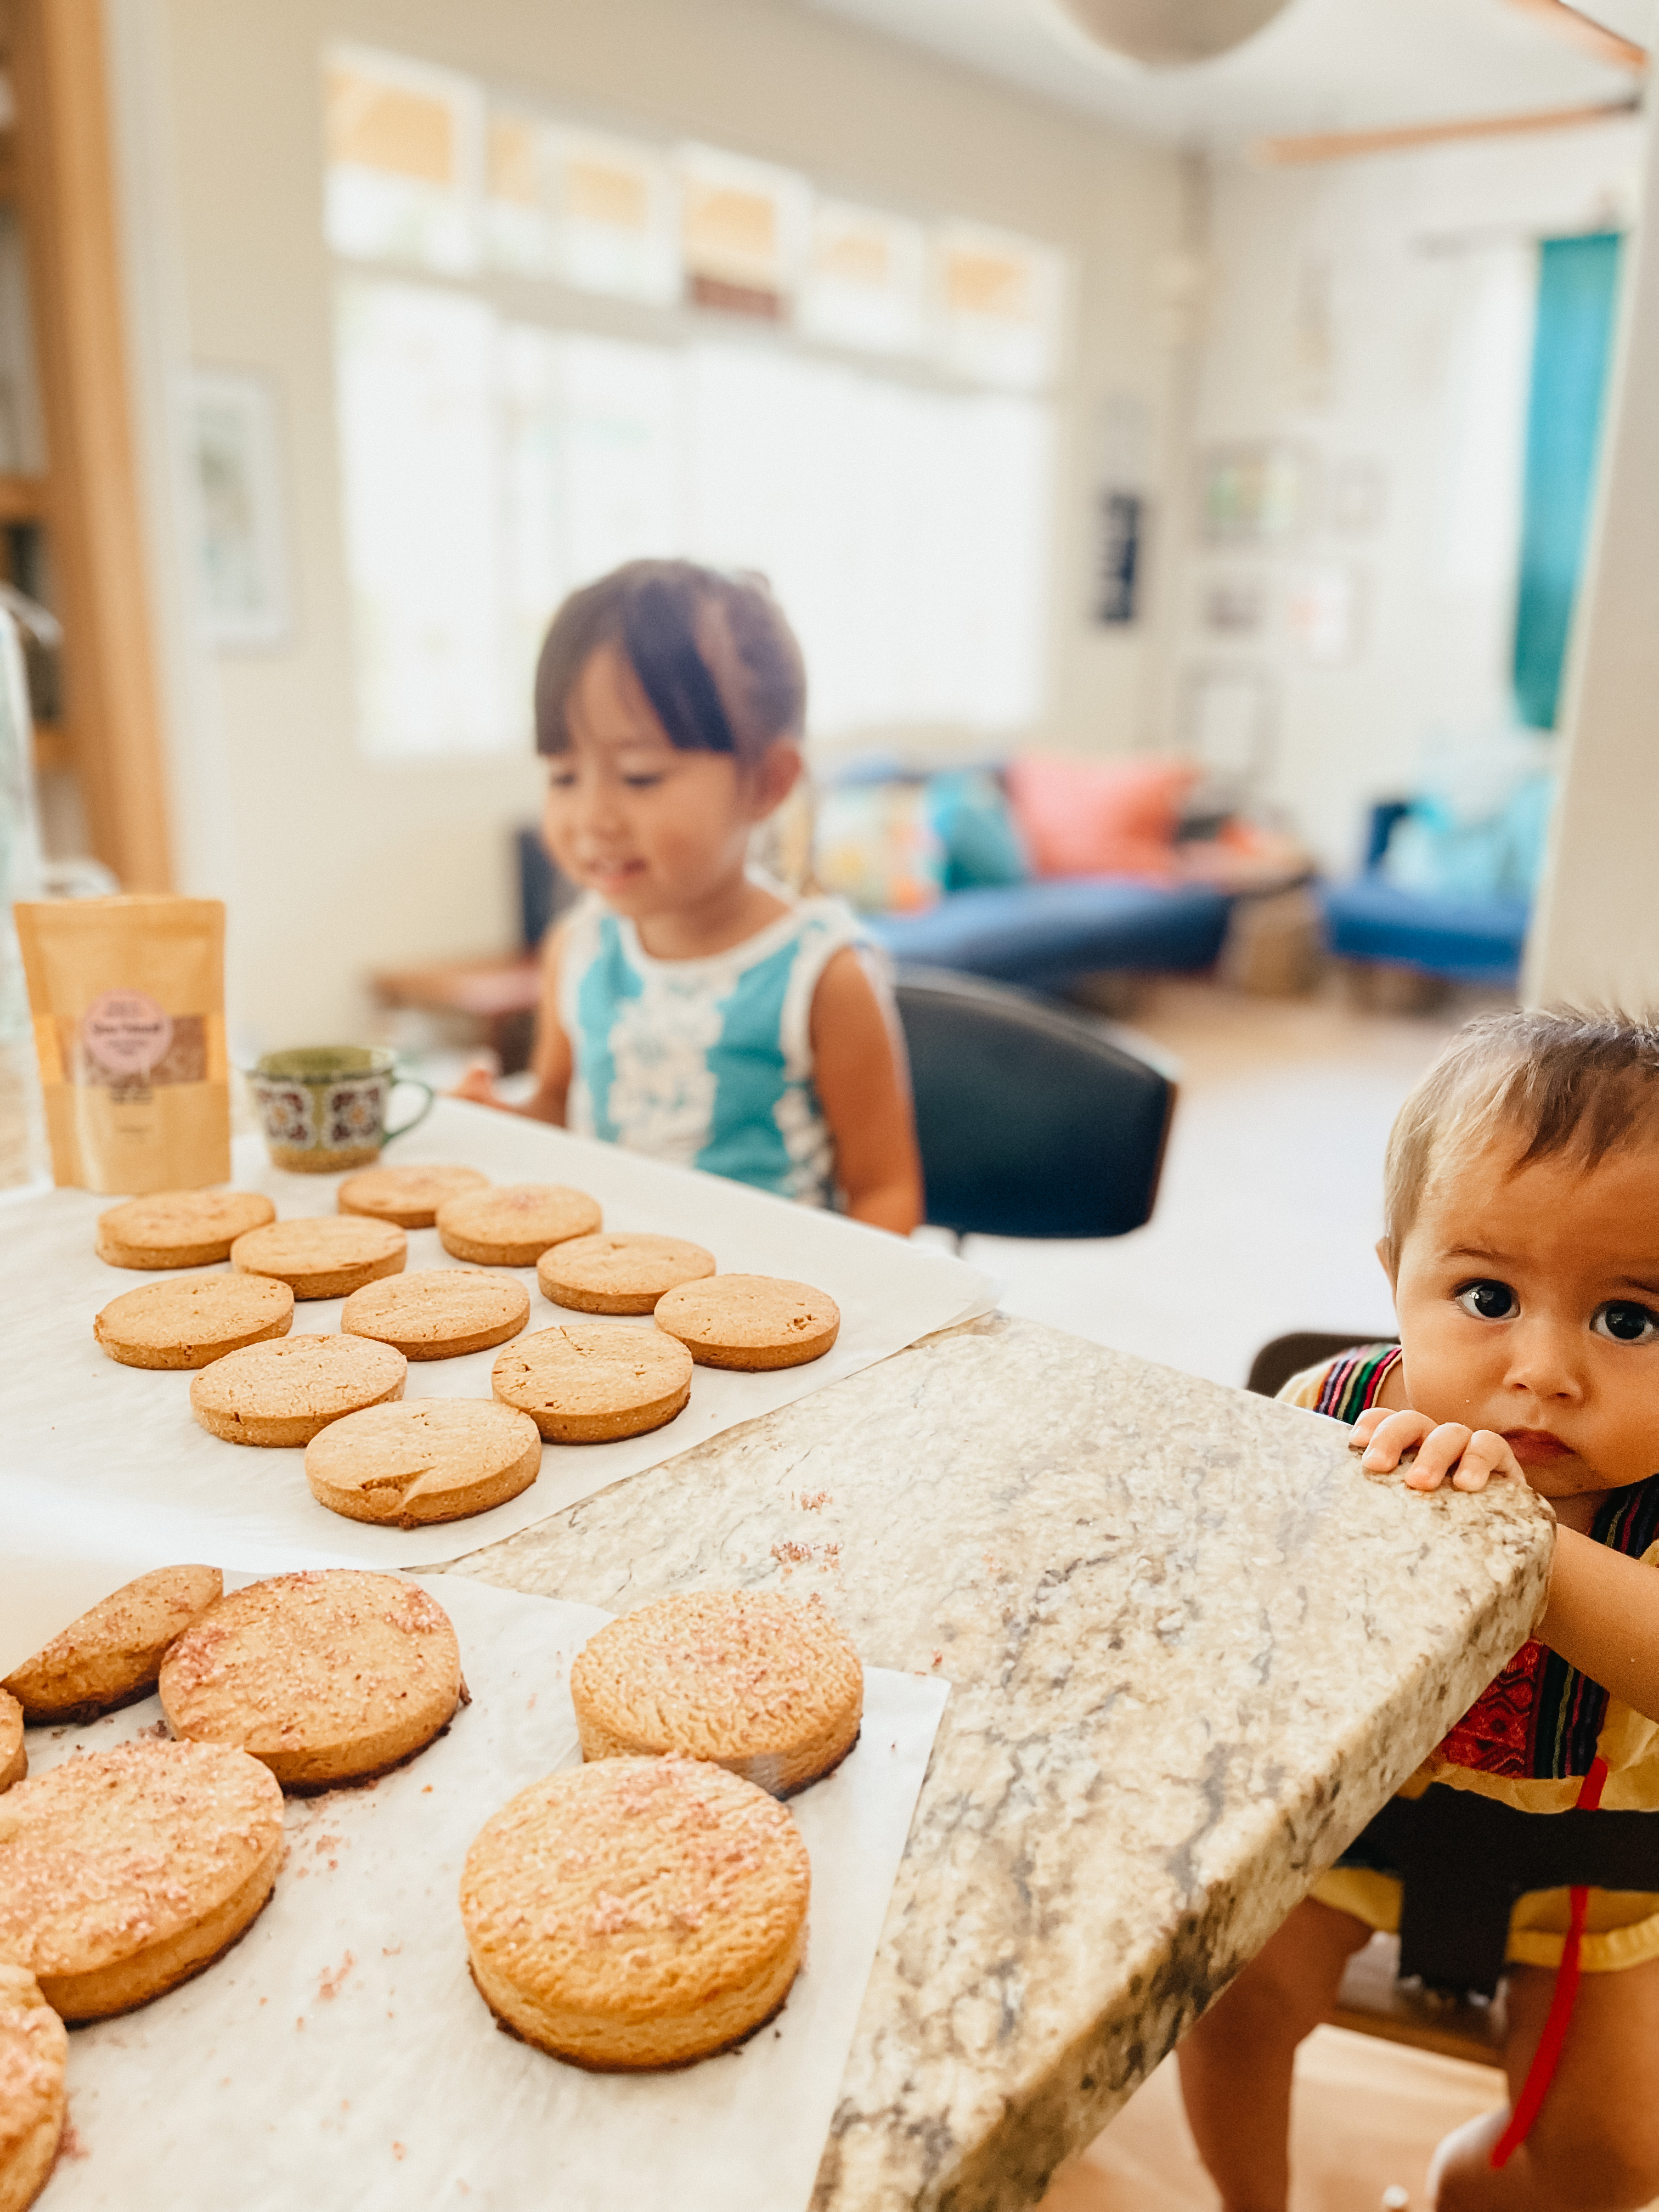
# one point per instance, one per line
(179, 1228)
(595, 1382)
(511, 1225)
(111, 1655)
(125, 1872)
(764, 1686)
(193, 1319)
(14, 1752)
(325, 1677)
(751, 1321)
(285, 1393)
(423, 1460)
(410, 1196)
(638, 1914)
(619, 1271)
(33, 2051)
(439, 1313)
(326, 1258)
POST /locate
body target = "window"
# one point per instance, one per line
(850, 400)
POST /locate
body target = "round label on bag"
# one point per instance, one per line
(126, 1032)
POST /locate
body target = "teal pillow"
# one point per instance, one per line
(976, 828)
(1498, 856)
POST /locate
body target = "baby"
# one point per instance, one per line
(1522, 1243)
(690, 1010)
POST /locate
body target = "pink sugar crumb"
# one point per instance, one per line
(399, 2151)
(814, 1501)
(789, 1551)
(329, 1985)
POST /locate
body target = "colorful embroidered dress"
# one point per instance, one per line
(706, 1062)
(1531, 1737)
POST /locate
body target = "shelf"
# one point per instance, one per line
(54, 751)
(23, 499)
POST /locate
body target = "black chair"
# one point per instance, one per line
(1275, 1364)
(1031, 1123)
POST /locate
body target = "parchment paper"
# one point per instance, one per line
(105, 1458)
(339, 2056)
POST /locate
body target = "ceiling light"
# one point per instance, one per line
(1167, 32)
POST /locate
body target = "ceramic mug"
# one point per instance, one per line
(324, 1106)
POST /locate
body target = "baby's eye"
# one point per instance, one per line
(1488, 1301)
(562, 779)
(1626, 1322)
(642, 782)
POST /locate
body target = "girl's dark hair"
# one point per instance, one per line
(650, 610)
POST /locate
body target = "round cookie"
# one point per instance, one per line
(322, 1259)
(179, 1228)
(325, 1677)
(125, 1872)
(595, 1382)
(409, 1196)
(751, 1321)
(762, 1685)
(285, 1393)
(426, 1460)
(111, 1656)
(637, 1914)
(511, 1225)
(619, 1273)
(14, 1752)
(439, 1313)
(193, 1319)
(34, 2049)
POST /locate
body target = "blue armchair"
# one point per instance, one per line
(1464, 940)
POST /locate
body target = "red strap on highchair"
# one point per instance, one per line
(1547, 2056)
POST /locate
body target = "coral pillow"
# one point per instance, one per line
(1100, 818)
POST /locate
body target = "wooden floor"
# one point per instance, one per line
(1367, 2115)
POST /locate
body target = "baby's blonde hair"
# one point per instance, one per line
(1561, 1081)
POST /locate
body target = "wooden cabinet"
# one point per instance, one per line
(78, 520)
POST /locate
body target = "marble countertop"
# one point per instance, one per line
(1192, 1647)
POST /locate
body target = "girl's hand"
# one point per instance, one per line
(478, 1084)
(1471, 1457)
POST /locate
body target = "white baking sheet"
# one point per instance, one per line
(109, 1457)
(339, 2056)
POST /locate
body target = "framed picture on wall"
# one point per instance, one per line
(1256, 493)
(236, 489)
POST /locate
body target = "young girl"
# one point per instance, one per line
(689, 1010)
(1522, 1243)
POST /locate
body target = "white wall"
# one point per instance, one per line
(1596, 940)
(334, 864)
(1378, 312)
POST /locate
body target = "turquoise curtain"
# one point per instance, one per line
(1577, 284)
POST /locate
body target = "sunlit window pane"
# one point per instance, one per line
(863, 280)
(616, 219)
(418, 443)
(744, 231)
(999, 301)
(404, 152)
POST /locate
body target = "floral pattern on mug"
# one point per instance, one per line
(288, 1116)
(356, 1112)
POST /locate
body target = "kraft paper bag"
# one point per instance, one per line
(127, 997)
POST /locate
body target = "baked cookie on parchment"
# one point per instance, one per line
(193, 1319)
(329, 1676)
(410, 1196)
(14, 1752)
(125, 1872)
(423, 1460)
(179, 1228)
(619, 1271)
(751, 1321)
(111, 1655)
(33, 2049)
(286, 1392)
(513, 1224)
(439, 1313)
(638, 1914)
(764, 1686)
(595, 1382)
(328, 1258)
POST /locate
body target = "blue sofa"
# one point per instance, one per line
(1467, 940)
(1046, 933)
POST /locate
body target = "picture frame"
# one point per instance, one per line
(233, 454)
(1254, 492)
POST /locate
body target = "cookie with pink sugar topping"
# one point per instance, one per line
(761, 1684)
(34, 2048)
(638, 1914)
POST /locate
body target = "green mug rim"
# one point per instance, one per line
(382, 1061)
